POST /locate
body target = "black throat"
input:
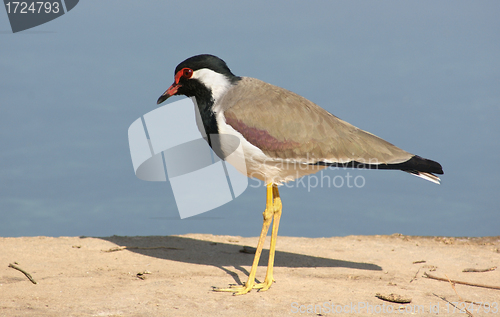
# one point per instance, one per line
(205, 106)
(205, 102)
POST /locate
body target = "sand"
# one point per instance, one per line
(174, 275)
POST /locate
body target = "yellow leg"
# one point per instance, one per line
(268, 217)
(268, 281)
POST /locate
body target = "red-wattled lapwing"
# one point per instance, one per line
(284, 136)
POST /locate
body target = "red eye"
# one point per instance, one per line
(183, 73)
(187, 73)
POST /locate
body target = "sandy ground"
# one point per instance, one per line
(314, 277)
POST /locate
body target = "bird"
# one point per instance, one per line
(284, 136)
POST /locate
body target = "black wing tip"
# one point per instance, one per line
(424, 165)
(414, 165)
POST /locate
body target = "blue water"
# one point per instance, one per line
(412, 73)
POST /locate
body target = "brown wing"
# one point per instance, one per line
(287, 126)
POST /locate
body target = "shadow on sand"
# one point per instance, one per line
(221, 255)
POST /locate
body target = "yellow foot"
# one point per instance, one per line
(262, 287)
(243, 289)
(235, 289)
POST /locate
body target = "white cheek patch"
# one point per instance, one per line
(216, 82)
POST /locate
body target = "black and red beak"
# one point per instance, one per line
(172, 90)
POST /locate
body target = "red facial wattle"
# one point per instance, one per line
(172, 90)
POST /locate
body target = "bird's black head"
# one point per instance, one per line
(200, 76)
